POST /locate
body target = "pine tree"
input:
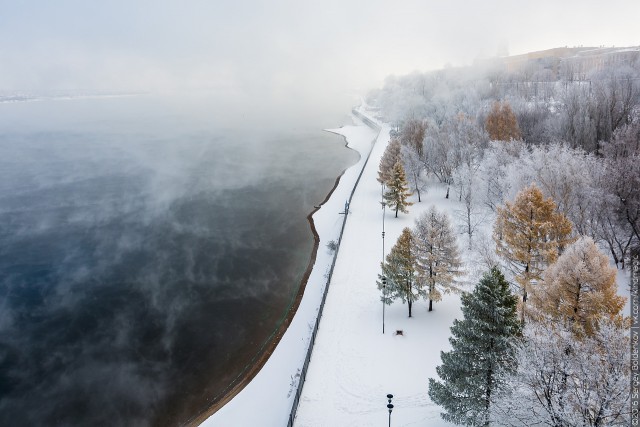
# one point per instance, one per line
(398, 191)
(529, 235)
(399, 269)
(580, 289)
(437, 257)
(390, 157)
(501, 124)
(484, 346)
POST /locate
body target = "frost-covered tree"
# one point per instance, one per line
(494, 169)
(468, 187)
(563, 174)
(456, 141)
(579, 289)
(412, 135)
(414, 168)
(439, 156)
(397, 194)
(622, 180)
(568, 382)
(534, 119)
(482, 358)
(399, 270)
(501, 123)
(577, 126)
(390, 157)
(616, 94)
(529, 235)
(437, 258)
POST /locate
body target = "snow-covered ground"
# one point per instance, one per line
(354, 366)
(267, 399)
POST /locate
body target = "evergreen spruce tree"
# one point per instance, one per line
(398, 192)
(399, 269)
(483, 353)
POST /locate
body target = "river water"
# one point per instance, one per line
(149, 247)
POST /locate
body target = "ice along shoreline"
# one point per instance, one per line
(267, 388)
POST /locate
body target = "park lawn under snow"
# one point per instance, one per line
(354, 366)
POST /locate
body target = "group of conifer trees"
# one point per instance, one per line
(423, 263)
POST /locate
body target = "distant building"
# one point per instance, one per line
(584, 62)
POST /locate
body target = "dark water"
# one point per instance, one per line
(148, 249)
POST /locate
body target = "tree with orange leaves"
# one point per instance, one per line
(580, 289)
(501, 123)
(530, 233)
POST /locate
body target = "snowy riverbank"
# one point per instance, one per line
(354, 366)
(268, 398)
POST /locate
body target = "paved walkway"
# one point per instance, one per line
(354, 366)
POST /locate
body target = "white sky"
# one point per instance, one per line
(286, 47)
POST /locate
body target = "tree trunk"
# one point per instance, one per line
(447, 196)
(410, 304)
(416, 178)
(487, 397)
(613, 254)
(431, 285)
(397, 207)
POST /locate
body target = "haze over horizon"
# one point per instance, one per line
(283, 49)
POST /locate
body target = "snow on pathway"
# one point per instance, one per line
(267, 399)
(354, 366)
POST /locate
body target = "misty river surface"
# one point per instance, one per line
(148, 249)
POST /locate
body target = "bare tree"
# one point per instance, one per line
(566, 382)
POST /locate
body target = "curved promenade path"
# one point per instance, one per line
(353, 365)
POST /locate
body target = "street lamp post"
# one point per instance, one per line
(383, 214)
(384, 296)
(384, 279)
(389, 406)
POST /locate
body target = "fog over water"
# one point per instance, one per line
(148, 249)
